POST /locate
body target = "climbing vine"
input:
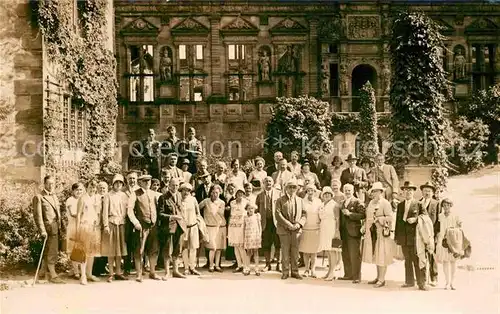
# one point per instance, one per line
(368, 118)
(88, 68)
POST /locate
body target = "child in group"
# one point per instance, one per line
(235, 234)
(114, 214)
(253, 238)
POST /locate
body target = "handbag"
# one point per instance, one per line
(78, 253)
(336, 243)
(386, 230)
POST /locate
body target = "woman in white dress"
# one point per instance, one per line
(216, 226)
(329, 233)
(191, 238)
(71, 205)
(309, 239)
(236, 233)
(259, 173)
(236, 176)
(447, 220)
(378, 251)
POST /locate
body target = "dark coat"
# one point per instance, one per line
(351, 225)
(321, 171)
(167, 205)
(405, 233)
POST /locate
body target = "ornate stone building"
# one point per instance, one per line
(219, 64)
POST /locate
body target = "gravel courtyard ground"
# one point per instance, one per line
(476, 198)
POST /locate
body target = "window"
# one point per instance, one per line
(332, 48)
(239, 87)
(334, 80)
(73, 124)
(191, 72)
(236, 52)
(483, 65)
(141, 75)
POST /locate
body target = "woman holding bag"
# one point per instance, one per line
(378, 246)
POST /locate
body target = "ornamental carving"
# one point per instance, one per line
(363, 26)
(345, 79)
(240, 23)
(140, 26)
(329, 29)
(189, 24)
(288, 25)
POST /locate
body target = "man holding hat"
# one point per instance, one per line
(142, 214)
(405, 235)
(171, 226)
(290, 218)
(354, 175)
(172, 168)
(431, 205)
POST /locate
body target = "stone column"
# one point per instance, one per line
(496, 59)
(313, 58)
(216, 54)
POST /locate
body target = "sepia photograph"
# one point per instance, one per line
(249, 156)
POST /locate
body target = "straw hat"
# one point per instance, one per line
(377, 186)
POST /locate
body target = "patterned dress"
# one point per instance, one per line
(445, 222)
(252, 232)
(236, 232)
(216, 223)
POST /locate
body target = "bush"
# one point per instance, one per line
(470, 144)
(368, 133)
(20, 244)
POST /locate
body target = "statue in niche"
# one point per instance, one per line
(345, 80)
(459, 64)
(289, 61)
(264, 65)
(386, 78)
(325, 79)
(166, 66)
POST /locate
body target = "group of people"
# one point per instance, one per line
(351, 214)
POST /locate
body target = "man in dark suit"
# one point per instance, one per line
(129, 189)
(143, 216)
(203, 189)
(149, 152)
(431, 206)
(405, 235)
(48, 221)
(290, 218)
(352, 212)
(275, 166)
(320, 169)
(353, 175)
(266, 206)
(171, 227)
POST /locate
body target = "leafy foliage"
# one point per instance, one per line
(368, 121)
(351, 122)
(89, 69)
(470, 142)
(302, 124)
(485, 106)
(418, 90)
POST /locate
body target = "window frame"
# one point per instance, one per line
(140, 75)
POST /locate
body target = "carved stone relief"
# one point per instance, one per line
(325, 78)
(363, 26)
(264, 63)
(329, 29)
(386, 78)
(459, 63)
(166, 64)
(289, 58)
(345, 79)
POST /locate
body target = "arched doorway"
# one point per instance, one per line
(360, 75)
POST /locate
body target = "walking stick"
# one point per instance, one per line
(323, 259)
(39, 261)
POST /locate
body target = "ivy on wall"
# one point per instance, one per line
(351, 122)
(368, 118)
(88, 68)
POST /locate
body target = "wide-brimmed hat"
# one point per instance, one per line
(377, 186)
(118, 178)
(336, 158)
(408, 185)
(145, 177)
(428, 184)
(351, 157)
(186, 186)
(325, 190)
(185, 161)
(292, 182)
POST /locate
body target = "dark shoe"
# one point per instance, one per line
(194, 272)
(267, 267)
(453, 287)
(284, 276)
(408, 285)
(176, 274)
(56, 280)
(296, 276)
(423, 288)
(238, 270)
(235, 265)
(379, 284)
(120, 277)
(278, 268)
(345, 278)
(246, 272)
(154, 276)
(356, 281)
(373, 282)
(218, 269)
(211, 270)
(274, 260)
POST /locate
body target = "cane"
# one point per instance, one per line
(39, 261)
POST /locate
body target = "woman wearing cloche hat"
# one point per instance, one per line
(378, 246)
(329, 233)
(114, 213)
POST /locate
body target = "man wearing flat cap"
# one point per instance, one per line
(405, 235)
(290, 218)
(143, 216)
(171, 167)
(431, 205)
